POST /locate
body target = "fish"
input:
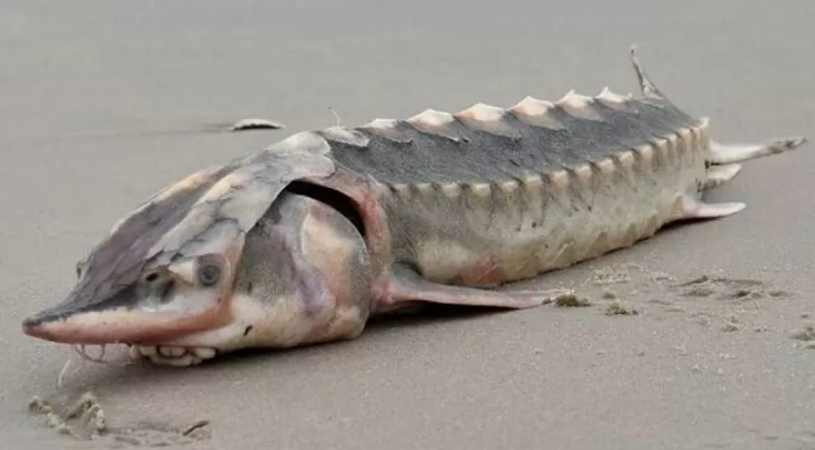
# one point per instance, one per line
(303, 242)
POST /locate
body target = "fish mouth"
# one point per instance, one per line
(122, 326)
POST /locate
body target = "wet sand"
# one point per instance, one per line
(102, 103)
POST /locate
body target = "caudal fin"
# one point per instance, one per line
(733, 153)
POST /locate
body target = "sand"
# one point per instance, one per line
(102, 103)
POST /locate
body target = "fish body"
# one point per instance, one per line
(306, 240)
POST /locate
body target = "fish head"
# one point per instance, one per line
(185, 264)
(162, 302)
(129, 290)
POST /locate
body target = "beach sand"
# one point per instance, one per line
(102, 103)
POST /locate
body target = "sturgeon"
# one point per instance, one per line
(304, 241)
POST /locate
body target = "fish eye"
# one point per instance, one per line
(209, 274)
(151, 277)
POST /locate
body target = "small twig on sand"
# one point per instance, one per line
(336, 115)
(195, 426)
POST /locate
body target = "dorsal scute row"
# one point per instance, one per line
(484, 142)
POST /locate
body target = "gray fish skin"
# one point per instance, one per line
(489, 196)
(316, 234)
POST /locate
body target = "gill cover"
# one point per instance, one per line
(205, 215)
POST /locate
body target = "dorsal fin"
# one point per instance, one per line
(537, 113)
(647, 86)
(488, 118)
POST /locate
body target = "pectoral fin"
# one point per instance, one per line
(407, 287)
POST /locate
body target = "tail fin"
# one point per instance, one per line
(733, 153)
